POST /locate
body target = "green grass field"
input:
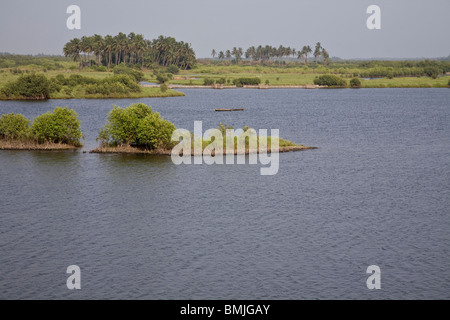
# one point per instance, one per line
(275, 75)
(297, 76)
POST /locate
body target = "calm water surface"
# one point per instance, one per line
(377, 191)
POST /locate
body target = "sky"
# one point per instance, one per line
(409, 28)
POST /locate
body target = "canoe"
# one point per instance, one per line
(218, 109)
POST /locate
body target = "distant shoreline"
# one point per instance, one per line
(262, 87)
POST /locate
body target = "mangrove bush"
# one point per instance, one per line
(137, 126)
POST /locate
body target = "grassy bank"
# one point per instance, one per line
(132, 150)
(6, 144)
(93, 85)
(80, 93)
(393, 74)
(298, 76)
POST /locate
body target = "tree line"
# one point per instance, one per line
(131, 49)
(266, 53)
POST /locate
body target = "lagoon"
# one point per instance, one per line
(375, 192)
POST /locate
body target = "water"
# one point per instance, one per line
(377, 191)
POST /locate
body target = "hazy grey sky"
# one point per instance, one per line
(409, 28)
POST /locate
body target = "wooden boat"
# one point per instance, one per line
(219, 109)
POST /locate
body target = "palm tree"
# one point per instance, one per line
(116, 49)
(228, 54)
(109, 48)
(317, 51)
(72, 49)
(306, 50)
(325, 56)
(221, 55)
(293, 52)
(213, 53)
(251, 53)
(141, 47)
(122, 47)
(87, 47)
(97, 47)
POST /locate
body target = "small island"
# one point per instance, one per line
(57, 130)
(138, 130)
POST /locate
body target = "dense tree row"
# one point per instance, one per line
(268, 52)
(131, 49)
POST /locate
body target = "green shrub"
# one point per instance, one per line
(330, 80)
(123, 69)
(120, 84)
(61, 79)
(239, 82)
(221, 81)
(14, 126)
(54, 86)
(172, 69)
(163, 77)
(155, 132)
(208, 82)
(128, 81)
(98, 68)
(163, 87)
(31, 86)
(432, 72)
(60, 126)
(355, 83)
(136, 125)
(16, 71)
(76, 79)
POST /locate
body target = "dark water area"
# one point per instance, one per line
(376, 192)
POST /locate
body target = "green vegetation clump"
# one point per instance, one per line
(432, 72)
(330, 80)
(60, 126)
(208, 82)
(28, 86)
(36, 87)
(39, 62)
(74, 80)
(239, 82)
(123, 69)
(163, 77)
(221, 81)
(355, 83)
(121, 84)
(14, 126)
(137, 126)
(173, 69)
(249, 135)
(99, 68)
